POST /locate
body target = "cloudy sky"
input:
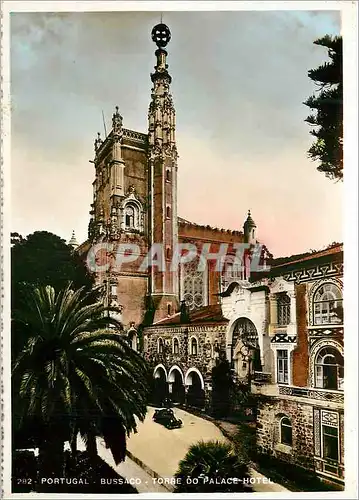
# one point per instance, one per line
(239, 81)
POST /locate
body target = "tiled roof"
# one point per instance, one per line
(206, 314)
(335, 249)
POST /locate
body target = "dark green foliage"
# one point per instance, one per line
(42, 259)
(243, 403)
(209, 467)
(245, 443)
(327, 104)
(74, 374)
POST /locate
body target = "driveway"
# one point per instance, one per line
(161, 449)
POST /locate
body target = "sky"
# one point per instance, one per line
(239, 82)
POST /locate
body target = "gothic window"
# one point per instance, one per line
(286, 431)
(168, 212)
(282, 366)
(130, 217)
(327, 300)
(329, 369)
(175, 346)
(168, 175)
(168, 253)
(169, 309)
(194, 347)
(283, 309)
(160, 345)
(193, 285)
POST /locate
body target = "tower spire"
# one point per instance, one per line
(249, 228)
(163, 171)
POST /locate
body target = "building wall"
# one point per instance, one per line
(204, 235)
(268, 432)
(210, 339)
(308, 405)
(307, 445)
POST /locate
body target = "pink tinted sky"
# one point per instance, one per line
(238, 85)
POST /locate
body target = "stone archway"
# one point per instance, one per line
(176, 385)
(159, 385)
(245, 355)
(195, 395)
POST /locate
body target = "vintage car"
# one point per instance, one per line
(166, 417)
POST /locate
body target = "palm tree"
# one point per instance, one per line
(75, 374)
(211, 467)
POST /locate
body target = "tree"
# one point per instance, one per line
(222, 386)
(328, 104)
(210, 467)
(74, 374)
(42, 259)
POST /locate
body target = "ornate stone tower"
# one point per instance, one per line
(162, 157)
(119, 216)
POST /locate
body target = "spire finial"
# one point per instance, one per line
(98, 142)
(161, 34)
(117, 121)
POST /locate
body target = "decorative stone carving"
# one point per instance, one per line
(117, 124)
(98, 142)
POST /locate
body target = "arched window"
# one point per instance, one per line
(160, 346)
(286, 431)
(168, 175)
(169, 309)
(175, 346)
(329, 369)
(283, 309)
(194, 347)
(168, 212)
(194, 284)
(133, 341)
(327, 301)
(130, 216)
(168, 253)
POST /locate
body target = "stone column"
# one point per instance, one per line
(229, 352)
(293, 312)
(273, 318)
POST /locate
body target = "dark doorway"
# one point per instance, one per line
(160, 387)
(178, 392)
(195, 393)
